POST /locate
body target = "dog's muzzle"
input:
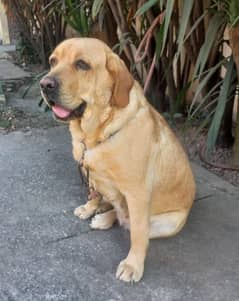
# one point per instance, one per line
(50, 87)
(50, 91)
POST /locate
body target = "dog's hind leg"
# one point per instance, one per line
(104, 220)
(104, 206)
(167, 224)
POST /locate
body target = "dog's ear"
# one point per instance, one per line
(123, 80)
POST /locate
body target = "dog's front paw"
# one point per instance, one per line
(129, 272)
(87, 210)
(84, 212)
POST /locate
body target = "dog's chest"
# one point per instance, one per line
(94, 162)
(100, 174)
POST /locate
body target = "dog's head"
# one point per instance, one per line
(84, 72)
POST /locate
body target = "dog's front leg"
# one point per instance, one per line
(132, 267)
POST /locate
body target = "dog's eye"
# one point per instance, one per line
(52, 62)
(80, 64)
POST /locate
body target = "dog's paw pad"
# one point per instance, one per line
(128, 273)
(82, 212)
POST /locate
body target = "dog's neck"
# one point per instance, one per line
(91, 126)
(94, 127)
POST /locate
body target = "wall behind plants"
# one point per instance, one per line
(4, 32)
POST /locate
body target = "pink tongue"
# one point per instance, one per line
(60, 112)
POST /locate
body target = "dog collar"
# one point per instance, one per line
(84, 170)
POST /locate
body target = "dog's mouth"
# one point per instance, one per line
(63, 114)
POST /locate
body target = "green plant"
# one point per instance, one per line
(200, 35)
(183, 57)
(42, 25)
(182, 60)
(232, 11)
(25, 52)
(77, 14)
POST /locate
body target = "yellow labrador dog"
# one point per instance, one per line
(133, 159)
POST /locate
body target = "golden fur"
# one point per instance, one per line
(135, 161)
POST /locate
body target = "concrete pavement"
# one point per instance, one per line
(46, 253)
(9, 71)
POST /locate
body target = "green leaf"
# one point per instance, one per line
(145, 7)
(97, 4)
(195, 25)
(210, 94)
(167, 18)
(222, 100)
(84, 18)
(212, 31)
(159, 40)
(187, 8)
(234, 12)
(204, 82)
(161, 2)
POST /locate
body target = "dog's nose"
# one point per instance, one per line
(48, 84)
